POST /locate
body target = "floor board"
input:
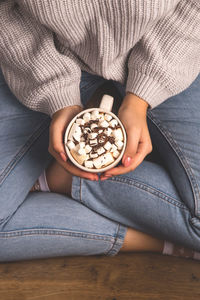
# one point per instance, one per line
(126, 276)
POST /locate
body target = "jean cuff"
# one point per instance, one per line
(118, 238)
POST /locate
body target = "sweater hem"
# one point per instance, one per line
(147, 88)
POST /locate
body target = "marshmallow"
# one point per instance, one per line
(87, 157)
(71, 145)
(101, 117)
(93, 142)
(113, 123)
(93, 125)
(93, 155)
(119, 145)
(98, 162)
(88, 148)
(104, 123)
(81, 145)
(75, 131)
(108, 117)
(95, 115)
(103, 160)
(87, 117)
(79, 158)
(92, 135)
(116, 154)
(77, 137)
(81, 151)
(100, 150)
(80, 121)
(107, 145)
(118, 135)
(88, 164)
(100, 131)
(108, 131)
(108, 159)
(113, 148)
(87, 129)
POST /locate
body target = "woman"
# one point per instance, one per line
(42, 60)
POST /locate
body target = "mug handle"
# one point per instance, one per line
(106, 103)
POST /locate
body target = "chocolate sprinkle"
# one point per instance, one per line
(75, 142)
(111, 139)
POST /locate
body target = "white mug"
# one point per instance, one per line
(106, 107)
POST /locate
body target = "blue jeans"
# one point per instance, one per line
(38, 225)
(161, 197)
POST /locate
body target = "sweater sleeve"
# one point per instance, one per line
(42, 78)
(167, 58)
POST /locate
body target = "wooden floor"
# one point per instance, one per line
(126, 276)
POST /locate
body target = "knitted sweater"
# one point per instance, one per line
(150, 46)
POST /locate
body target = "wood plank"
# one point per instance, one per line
(125, 276)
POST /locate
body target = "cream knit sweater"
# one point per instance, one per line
(150, 46)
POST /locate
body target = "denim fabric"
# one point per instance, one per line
(161, 197)
(37, 225)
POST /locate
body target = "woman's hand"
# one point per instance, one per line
(60, 120)
(132, 114)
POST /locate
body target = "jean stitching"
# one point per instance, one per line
(56, 232)
(173, 143)
(149, 189)
(118, 241)
(22, 151)
(114, 242)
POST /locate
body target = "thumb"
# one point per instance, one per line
(133, 137)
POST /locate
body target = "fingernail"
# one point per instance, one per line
(127, 161)
(63, 156)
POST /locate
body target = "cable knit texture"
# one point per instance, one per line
(152, 47)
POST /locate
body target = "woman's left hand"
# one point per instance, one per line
(132, 114)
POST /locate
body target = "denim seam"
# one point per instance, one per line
(149, 189)
(114, 242)
(23, 151)
(173, 143)
(25, 232)
(118, 241)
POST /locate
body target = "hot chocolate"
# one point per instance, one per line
(95, 139)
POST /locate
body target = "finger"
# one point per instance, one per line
(131, 146)
(143, 150)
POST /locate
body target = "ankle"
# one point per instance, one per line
(59, 180)
(139, 241)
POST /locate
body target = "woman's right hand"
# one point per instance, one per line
(60, 120)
